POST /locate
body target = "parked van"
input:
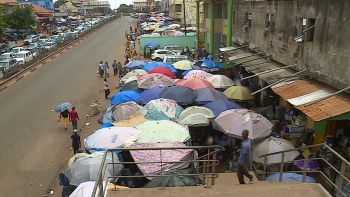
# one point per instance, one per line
(24, 56)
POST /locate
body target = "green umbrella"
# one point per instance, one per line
(132, 85)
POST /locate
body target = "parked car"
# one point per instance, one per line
(7, 65)
(57, 30)
(37, 45)
(32, 51)
(7, 47)
(41, 36)
(159, 55)
(17, 49)
(9, 55)
(30, 39)
(42, 41)
(74, 24)
(56, 38)
(80, 30)
(174, 48)
(24, 56)
(50, 45)
(170, 59)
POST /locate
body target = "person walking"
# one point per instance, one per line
(76, 143)
(15, 37)
(65, 115)
(106, 89)
(120, 69)
(73, 117)
(132, 44)
(115, 68)
(106, 69)
(101, 69)
(244, 159)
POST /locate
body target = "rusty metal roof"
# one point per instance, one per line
(301, 92)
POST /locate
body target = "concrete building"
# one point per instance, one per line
(94, 4)
(176, 10)
(7, 5)
(47, 4)
(142, 4)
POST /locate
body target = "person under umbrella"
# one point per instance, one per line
(65, 115)
(63, 110)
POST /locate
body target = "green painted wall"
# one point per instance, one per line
(181, 41)
(320, 126)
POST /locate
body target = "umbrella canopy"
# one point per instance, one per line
(221, 105)
(162, 131)
(220, 81)
(151, 65)
(239, 93)
(136, 64)
(181, 94)
(208, 64)
(132, 121)
(196, 116)
(197, 74)
(271, 145)
(153, 80)
(195, 83)
(152, 45)
(62, 107)
(85, 190)
(183, 65)
(290, 177)
(125, 96)
(164, 71)
(124, 110)
(233, 122)
(86, 168)
(75, 157)
(162, 109)
(151, 94)
(174, 26)
(132, 73)
(131, 85)
(176, 180)
(206, 95)
(112, 137)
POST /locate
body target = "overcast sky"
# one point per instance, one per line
(116, 3)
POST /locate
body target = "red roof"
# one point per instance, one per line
(9, 2)
(39, 9)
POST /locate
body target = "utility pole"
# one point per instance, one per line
(183, 2)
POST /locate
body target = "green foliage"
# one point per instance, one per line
(58, 3)
(105, 10)
(21, 18)
(125, 8)
(3, 24)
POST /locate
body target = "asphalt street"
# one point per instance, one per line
(33, 146)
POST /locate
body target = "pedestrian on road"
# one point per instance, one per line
(101, 68)
(65, 115)
(73, 117)
(106, 89)
(76, 143)
(106, 69)
(136, 57)
(15, 37)
(244, 159)
(132, 44)
(115, 67)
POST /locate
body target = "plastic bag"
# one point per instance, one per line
(58, 119)
(98, 72)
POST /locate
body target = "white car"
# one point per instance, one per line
(170, 59)
(17, 49)
(174, 48)
(24, 56)
(159, 55)
(9, 55)
(30, 39)
(32, 51)
(50, 45)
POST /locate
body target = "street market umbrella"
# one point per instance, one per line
(183, 65)
(125, 96)
(132, 121)
(191, 34)
(177, 179)
(152, 65)
(233, 122)
(208, 64)
(220, 81)
(133, 73)
(107, 115)
(87, 168)
(290, 177)
(131, 85)
(112, 137)
(75, 157)
(86, 189)
(151, 94)
(197, 74)
(194, 83)
(63, 106)
(196, 116)
(152, 45)
(124, 110)
(222, 105)
(162, 109)
(206, 95)
(162, 131)
(164, 71)
(136, 64)
(155, 79)
(181, 94)
(271, 145)
(239, 93)
(174, 26)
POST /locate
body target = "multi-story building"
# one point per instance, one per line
(7, 5)
(140, 4)
(177, 11)
(94, 4)
(47, 4)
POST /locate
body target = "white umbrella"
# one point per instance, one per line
(178, 33)
(174, 26)
(154, 34)
(133, 73)
(196, 116)
(220, 81)
(271, 145)
(85, 190)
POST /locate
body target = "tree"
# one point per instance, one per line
(125, 8)
(3, 24)
(21, 18)
(105, 10)
(58, 3)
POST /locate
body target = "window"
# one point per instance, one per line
(218, 10)
(310, 30)
(224, 13)
(272, 22)
(267, 21)
(234, 18)
(178, 8)
(302, 26)
(250, 20)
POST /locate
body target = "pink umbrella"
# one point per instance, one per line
(197, 74)
(153, 80)
(194, 83)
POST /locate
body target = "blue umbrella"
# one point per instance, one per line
(152, 45)
(221, 105)
(62, 107)
(181, 94)
(206, 95)
(125, 96)
(290, 177)
(151, 94)
(151, 65)
(135, 64)
(208, 64)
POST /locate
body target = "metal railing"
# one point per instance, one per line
(340, 174)
(205, 167)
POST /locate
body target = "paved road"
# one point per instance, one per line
(33, 146)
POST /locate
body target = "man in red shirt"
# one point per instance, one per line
(73, 117)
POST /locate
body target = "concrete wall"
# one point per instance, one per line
(181, 41)
(327, 53)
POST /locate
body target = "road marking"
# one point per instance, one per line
(56, 55)
(48, 60)
(26, 74)
(11, 83)
(39, 65)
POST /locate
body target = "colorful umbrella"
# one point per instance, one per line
(136, 64)
(130, 85)
(151, 65)
(164, 71)
(133, 73)
(208, 64)
(221, 105)
(290, 177)
(63, 106)
(125, 96)
(197, 74)
(239, 93)
(162, 109)
(183, 65)
(206, 95)
(152, 45)
(153, 80)
(124, 110)
(233, 122)
(181, 94)
(220, 81)
(151, 94)
(195, 83)
(196, 116)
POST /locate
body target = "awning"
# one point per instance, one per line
(301, 92)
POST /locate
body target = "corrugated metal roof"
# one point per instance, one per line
(228, 48)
